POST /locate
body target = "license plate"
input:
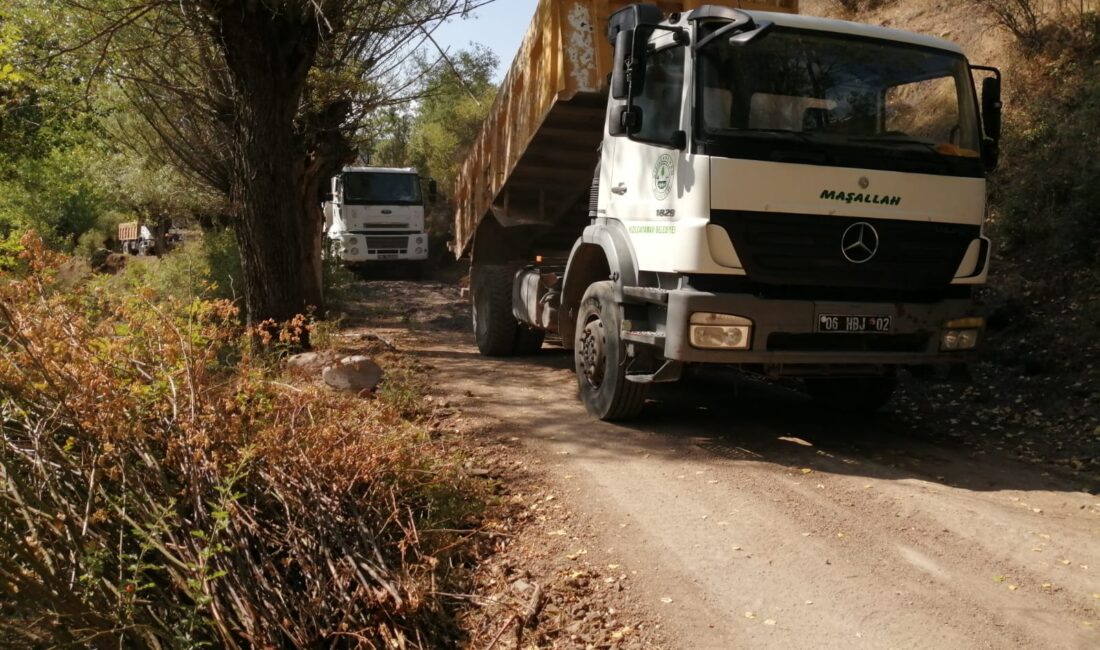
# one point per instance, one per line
(854, 324)
(387, 256)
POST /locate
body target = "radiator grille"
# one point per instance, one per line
(384, 244)
(805, 250)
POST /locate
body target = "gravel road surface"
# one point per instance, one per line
(753, 519)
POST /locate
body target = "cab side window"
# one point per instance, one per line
(661, 95)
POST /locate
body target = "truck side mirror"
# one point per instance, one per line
(991, 119)
(615, 126)
(433, 191)
(992, 107)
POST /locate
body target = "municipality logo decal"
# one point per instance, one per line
(663, 174)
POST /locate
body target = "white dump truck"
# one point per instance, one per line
(376, 215)
(692, 183)
(136, 238)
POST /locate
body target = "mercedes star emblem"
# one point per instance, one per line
(859, 243)
(864, 182)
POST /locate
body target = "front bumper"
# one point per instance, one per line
(355, 248)
(785, 331)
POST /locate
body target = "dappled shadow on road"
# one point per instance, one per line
(724, 417)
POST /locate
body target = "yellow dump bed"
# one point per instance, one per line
(129, 231)
(537, 149)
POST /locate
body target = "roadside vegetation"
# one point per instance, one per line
(164, 486)
(163, 481)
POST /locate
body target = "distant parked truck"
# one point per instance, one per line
(376, 214)
(135, 238)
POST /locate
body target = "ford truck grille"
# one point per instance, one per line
(387, 244)
(805, 250)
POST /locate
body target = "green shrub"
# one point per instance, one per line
(154, 494)
(338, 281)
(208, 267)
(1048, 193)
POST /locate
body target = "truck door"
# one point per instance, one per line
(645, 179)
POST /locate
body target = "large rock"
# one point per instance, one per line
(354, 374)
(308, 364)
(104, 261)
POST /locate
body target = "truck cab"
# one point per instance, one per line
(376, 214)
(789, 195)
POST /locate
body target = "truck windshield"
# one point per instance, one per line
(834, 99)
(381, 188)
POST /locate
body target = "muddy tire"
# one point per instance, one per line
(599, 355)
(852, 394)
(495, 328)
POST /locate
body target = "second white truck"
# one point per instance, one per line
(375, 215)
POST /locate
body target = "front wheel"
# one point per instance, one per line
(599, 354)
(852, 394)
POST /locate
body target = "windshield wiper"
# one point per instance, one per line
(940, 161)
(894, 139)
(801, 135)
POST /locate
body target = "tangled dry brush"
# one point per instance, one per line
(159, 486)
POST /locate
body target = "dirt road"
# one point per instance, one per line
(755, 520)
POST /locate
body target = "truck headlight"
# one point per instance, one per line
(720, 331)
(419, 240)
(961, 334)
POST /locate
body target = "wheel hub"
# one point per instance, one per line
(593, 352)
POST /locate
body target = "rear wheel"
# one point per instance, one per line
(600, 357)
(852, 394)
(495, 328)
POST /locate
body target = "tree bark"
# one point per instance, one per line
(268, 55)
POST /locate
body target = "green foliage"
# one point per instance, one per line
(49, 138)
(388, 132)
(158, 492)
(450, 115)
(1048, 191)
(207, 268)
(69, 167)
(53, 194)
(339, 282)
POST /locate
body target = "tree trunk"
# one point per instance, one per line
(268, 55)
(161, 223)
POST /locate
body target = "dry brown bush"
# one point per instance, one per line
(1038, 24)
(161, 487)
(854, 6)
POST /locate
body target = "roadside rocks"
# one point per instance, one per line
(355, 374)
(307, 362)
(105, 262)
